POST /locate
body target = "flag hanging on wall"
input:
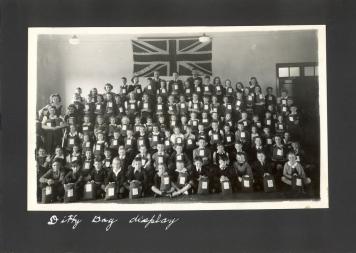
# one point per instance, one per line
(168, 55)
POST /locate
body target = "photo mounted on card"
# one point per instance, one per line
(177, 118)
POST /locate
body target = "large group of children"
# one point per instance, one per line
(168, 138)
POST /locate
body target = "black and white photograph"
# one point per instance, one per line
(177, 118)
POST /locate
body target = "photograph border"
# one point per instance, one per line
(32, 204)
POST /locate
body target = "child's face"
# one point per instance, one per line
(155, 129)
(286, 136)
(240, 127)
(291, 158)
(159, 100)
(204, 115)
(97, 165)
(121, 151)
(100, 99)
(176, 130)
(100, 120)
(198, 164)
(179, 165)
(214, 125)
(86, 119)
(72, 128)
(56, 166)
(71, 110)
(258, 141)
(75, 149)
(51, 111)
(220, 148)
(195, 97)
(253, 129)
(295, 145)
(244, 115)
(228, 116)
(116, 164)
(88, 154)
(107, 153)
(241, 158)
(277, 139)
(201, 143)
(225, 99)
(41, 152)
(266, 130)
(269, 91)
(193, 116)
(129, 133)
(261, 157)
(112, 120)
(116, 135)
(160, 170)
(226, 129)
(182, 99)
(200, 128)
(59, 152)
(161, 120)
(179, 149)
(160, 148)
(171, 99)
(100, 137)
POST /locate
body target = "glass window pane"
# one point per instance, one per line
(283, 72)
(294, 71)
(316, 71)
(309, 71)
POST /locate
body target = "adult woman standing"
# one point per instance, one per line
(54, 100)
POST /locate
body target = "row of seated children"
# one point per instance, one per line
(146, 172)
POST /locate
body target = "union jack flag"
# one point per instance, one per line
(168, 55)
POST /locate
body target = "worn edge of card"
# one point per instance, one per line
(32, 204)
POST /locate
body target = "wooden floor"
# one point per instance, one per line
(216, 198)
